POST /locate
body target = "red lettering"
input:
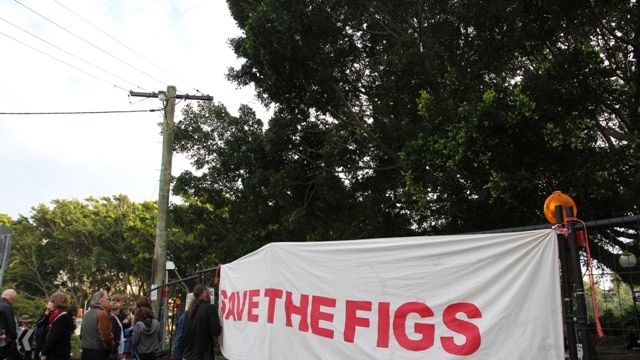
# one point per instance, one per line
(223, 302)
(241, 304)
(384, 320)
(253, 305)
(465, 328)
(318, 315)
(351, 319)
(272, 295)
(426, 330)
(301, 310)
(233, 299)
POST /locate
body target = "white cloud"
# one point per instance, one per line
(76, 156)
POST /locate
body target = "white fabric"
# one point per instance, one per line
(488, 296)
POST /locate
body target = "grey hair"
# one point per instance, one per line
(95, 299)
(9, 293)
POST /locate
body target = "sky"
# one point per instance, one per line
(85, 56)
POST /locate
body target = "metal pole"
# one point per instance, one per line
(569, 317)
(165, 310)
(580, 297)
(633, 296)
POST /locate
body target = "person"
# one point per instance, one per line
(633, 339)
(201, 326)
(123, 316)
(25, 337)
(95, 333)
(8, 345)
(146, 340)
(128, 332)
(143, 302)
(57, 345)
(116, 329)
(178, 346)
(25, 322)
(42, 327)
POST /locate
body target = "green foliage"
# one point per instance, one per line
(615, 307)
(27, 306)
(390, 118)
(5, 220)
(80, 247)
(76, 347)
(410, 117)
(270, 185)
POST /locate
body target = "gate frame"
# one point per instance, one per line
(164, 298)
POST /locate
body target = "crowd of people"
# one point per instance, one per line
(108, 331)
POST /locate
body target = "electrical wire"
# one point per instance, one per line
(70, 54)
(125, 46)
(88, 42)
(64, 62)
(79, 112)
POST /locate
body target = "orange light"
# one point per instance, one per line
(555, 199)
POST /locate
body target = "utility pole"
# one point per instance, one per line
(168, 99)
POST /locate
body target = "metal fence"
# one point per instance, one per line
(615, 292)
(173, 298)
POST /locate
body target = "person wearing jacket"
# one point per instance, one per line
(96, 334)
(9, 327)
(116, 329)
(25, 338)
(42, 327)
(178, 347)
(201, 326)
(146, 340)
(57, 345)
(128, 332)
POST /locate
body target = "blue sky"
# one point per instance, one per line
(61, 56)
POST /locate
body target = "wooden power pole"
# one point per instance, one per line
(168, 126)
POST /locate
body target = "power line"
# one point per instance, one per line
(88, 42)
(125, 46)
(78, 112)
(62, 61)
(68, 53)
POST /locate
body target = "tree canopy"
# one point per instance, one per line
(83, 246)
(395, 118)
(390, 118)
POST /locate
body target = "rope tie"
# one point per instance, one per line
(592, 282)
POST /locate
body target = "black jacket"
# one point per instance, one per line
(58, 343)
(8, 321)
(42, 327)
(199, 332)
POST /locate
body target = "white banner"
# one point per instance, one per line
(488, 296)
